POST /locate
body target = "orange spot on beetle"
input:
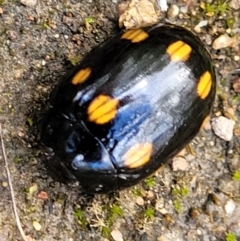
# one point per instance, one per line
(102, 109)
(135, 35)
(81, 76)
(138, 155)
(179, 51)
(204, 85)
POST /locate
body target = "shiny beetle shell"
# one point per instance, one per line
(132, 104)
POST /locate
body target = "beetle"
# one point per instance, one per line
(132, 104)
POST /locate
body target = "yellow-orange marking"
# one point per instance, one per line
(102, 109)
(81, 76)
(179, 51)
(135, 35)
(204, 85)
(138, 155)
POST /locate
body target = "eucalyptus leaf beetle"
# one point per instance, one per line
(132, 104)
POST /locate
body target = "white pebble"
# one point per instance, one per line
(37, 225)
(173, 11)
(163, 5)
(139, 201)
(235, 4)
(236, 57)
(223, 127)
(28, 2)
(223, 41)
(230, 206)
(179, 164)
(117, 235)
(203, 23)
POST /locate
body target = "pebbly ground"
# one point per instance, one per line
(198, 199)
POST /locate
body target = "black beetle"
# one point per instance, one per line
(132, 104)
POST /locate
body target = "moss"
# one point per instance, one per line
(88, 21)
(82, 220)
(74, 59)
(236, 176)
(180, 191)
(30, 122)
(231, 237)
(149, 213)
(177, 205)
(113, 213)
(219, 7)
(150, 182)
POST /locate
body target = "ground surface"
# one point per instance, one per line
(37, 45)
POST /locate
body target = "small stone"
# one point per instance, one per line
(11, 34)
(236, 58)
(29, 238)
(230, 206)
(21, 133)
(29, 2)
(211, 143)
(235, 4)
(163, 5)
(4, 184)
(175, 235)
(207, 124)
(179, 164)
(30, 18)
(223, 41)
(138, 13)
(197, 29)
(236, 85)
(37, 225)
(173, 11)
(229, 31)
(208, 39)
(199, 232)
(117, 235)
(184, 9)
(139, 201)
(216, 199)
(230, 111)
(18, 73)
(150, 194)
(43, 195)
(159, 205)
(163, 211)
(194, 213)
(1, 11)
(47, 57)
(201, 24)
(223, 127)
(182, 152)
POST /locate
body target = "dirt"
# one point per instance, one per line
(38, 44)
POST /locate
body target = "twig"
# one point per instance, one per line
(11, 188)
